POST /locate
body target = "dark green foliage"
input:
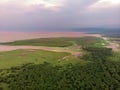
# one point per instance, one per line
(100, 74)
(47, 77)
(96, 54)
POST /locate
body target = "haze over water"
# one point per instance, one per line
(12, 36)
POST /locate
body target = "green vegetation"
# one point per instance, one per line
(19, 57)
(117, 40)
(97, 69)
(99, 73)
(61, 42)
(115, 57)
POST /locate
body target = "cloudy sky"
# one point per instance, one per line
(30, 15)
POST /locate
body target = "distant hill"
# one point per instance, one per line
(115, 32)
(97, 30)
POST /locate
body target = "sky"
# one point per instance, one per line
(31, 15)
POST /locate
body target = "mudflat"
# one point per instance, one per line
(13, 36)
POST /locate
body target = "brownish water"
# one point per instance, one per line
(13, 36)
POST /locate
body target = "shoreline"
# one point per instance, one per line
(14, 36)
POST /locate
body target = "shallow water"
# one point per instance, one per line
(13, 36)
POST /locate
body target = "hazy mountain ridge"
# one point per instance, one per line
(98, 30)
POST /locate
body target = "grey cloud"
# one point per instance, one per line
(74, 13)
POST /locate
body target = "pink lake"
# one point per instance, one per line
(13, 36)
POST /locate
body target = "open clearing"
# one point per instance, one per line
(19, 57)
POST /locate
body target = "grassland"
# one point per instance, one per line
(60, 42)
(20, 57)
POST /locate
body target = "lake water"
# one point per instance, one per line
(13, 36)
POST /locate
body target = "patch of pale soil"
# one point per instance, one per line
(64, 58)
(114, 46)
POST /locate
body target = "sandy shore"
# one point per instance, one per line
(13, 36)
